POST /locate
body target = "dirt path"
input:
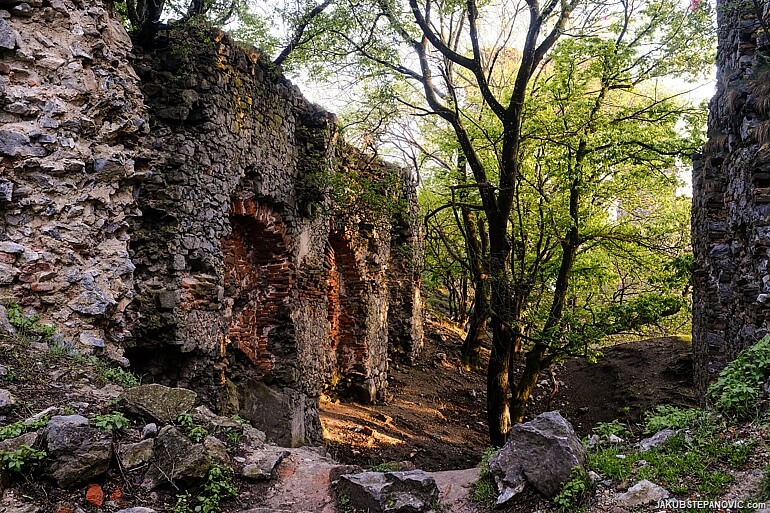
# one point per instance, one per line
(436, 418)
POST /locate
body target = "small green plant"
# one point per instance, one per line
(28, 325)
(185, 420)
(484, 489)
(667, 416)
(575, 492)
(10, 374)
(119, 376)
(183, 503)
(217, 488)
(607, 429)
(738, 389)
(197, 434)
(386, 467)
(20, 458)
(343, 501)
(21, 427)
(233, 436)
(114, 421)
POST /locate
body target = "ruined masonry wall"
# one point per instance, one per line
(71, 121)
(157, 209)
(731, 197)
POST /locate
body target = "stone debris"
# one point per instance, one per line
(161, 403)
(7, 401)
(642, 493)
(657, 439)
(542, 452)
(77, 452)
(412, 491)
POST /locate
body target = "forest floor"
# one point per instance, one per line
(435, 417)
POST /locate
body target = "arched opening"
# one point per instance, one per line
(348, 347)
(258, 279)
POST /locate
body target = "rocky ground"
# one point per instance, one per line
(433, 420)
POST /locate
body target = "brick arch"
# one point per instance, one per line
(258, 280)
(346, 314)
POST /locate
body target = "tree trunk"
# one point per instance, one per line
(503, 312)
(527, 382)
(477, 331)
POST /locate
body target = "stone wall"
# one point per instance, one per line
(72, 119)
(169, 205)
(731, 197)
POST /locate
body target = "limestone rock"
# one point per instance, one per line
(160, 402)
(77, 451)
(178, 457)
(137, 509)
(541, 452)
(11, 444)
(643, 492)
(657, 439)
(261, 465)
(216, 449)
(389, 492)
(135, 455)
(8, 36)
(7, 401)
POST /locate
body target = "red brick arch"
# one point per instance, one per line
(258, 279)
(345, 289)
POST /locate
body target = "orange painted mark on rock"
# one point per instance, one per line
(95, 495)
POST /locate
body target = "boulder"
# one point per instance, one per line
(413, 491)
(7, 401)
(657, 439)
(542, 452)
(163, 404)
(177, 457)
(643, 492)
(262, 464)
(77, 451)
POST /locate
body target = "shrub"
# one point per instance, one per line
(738, 389)
(667, 416)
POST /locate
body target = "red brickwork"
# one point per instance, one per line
(345, 290)
(258, 278)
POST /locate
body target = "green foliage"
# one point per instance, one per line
(217, 488)
(120, 376)
(197, 434)
(606, 429)
(114, 421)
(185, 420)
(20, 427)
(385, 467)
(698, 461)
(667, 416)
(375, 195)
(738, 390)
(484, 489)
(28, 325)
(575, 492)
(21, 458)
